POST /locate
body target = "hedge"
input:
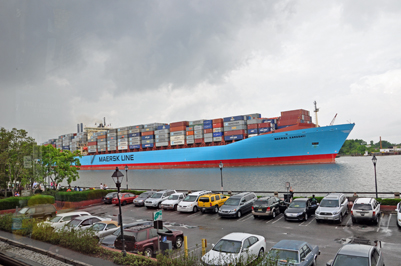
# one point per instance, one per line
(75, 196)
(11, 203)
(391, 202)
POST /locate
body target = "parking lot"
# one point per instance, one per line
(328, 236)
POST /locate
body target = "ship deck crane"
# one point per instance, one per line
(332, 121)
(316, 110)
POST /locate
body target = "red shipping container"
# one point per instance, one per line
(216, 125)
(136, 127)
(180, 128)
(148, 133)
(217, 120)
(209, 130)
(234, 132)
(253, 126)
(190, 133)
(101, 137)
(198, 140)
(190, 128)
(263, 125)
(178, 124)
(92, 143)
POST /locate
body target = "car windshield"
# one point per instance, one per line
(190, 198)
(98, 227)
(297, 204)
(284, 255)
(329, 203)
(23, 210)
(74, 223)
(157, 195)
(232, 202)
(56, 219)
(173, 197)
(111, 195)
(144, 195)
(228, 246)
(350, 260)
(362, 207)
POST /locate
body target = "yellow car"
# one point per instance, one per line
(211, 202)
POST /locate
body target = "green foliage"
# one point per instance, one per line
(353, 147)
(319, 199)
(391, 202)
(6, 222)
(11, 203)
(75, 196)
(132, 260)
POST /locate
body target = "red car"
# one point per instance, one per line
(125, 198)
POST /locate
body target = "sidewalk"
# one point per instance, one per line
(57, 250)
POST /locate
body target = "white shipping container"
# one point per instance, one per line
(161, 144)
(178, 142)
(208, 136)
(252, 135)
(218, 129)
(208, 140)
(199, 136)
(135, 130)
(190, 141)
(122, 148)
(198, 127)
(190, 137)
(216, 139)
(177, 138)
(198, 132)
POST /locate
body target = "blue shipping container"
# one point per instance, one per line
(207, 122)
(264, 130)
(148, 137)
(149, 145)
(253, 131)
(234, 118)
(132, 135)
(218, 134)
(134, 147)
(66, 147)
(234, 137)
(163, 127)
(208, 126)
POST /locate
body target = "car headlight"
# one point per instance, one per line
(317, 212)
(335, 213)
(300, 213)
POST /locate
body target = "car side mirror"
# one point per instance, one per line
(242, 203)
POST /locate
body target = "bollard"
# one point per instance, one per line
(276, 194)
(396, 195)
(186, 246)
(204, 245)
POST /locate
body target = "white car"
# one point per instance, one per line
(63, 218)
(172, 201)
(190, 203)
(398, 210)
(84, 222)
(155, 201)
(241, 248)
(365, 209)
(104, 228)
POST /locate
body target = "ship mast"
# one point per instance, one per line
(316, 110)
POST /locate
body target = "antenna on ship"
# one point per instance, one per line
(316, 110)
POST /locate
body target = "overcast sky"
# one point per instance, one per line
(138, 62)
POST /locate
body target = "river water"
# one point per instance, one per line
(348, 174)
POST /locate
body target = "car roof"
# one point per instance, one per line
(266, 198)
(108, 222)
(300, 199)
(289, 244)
(138, 223)
(178, 193)
(85, 217)
(138, 227)
(73, 213)
(210, 194)
(197, 193)
(240, 195)
(358, 250)
(333, 195)
(363, 200)
(237, 236)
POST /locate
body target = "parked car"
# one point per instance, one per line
(365, 209)
(292, 252)
(109, 240)
(155, 201)
(63, 218)
(300, 209)
(84, 222)
(125, 198)
(109, 197)
(235, 248)
(190, 203)
(39, 211)
(238, 205)
(211, 202)
(332, 207)
(357, 254)
(171, 203)
(398, 210)
(268, 206)
(140, 200)
(104, 228)
(144, 239)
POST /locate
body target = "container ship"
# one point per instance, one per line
(243, 140)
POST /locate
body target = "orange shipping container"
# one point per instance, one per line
(178, 124)
(218, 120)
(101, 137)
(218, 124)
(209, 130)
(148, 133)
(180, 128)
(190, 133)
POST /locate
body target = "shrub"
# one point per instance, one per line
(75, 196)
(392, 202)
(11, 203)
(6, 222)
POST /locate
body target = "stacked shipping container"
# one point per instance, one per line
(293, 117)
(178, 133)
(112, 140)
(162, 136)
(134, 137)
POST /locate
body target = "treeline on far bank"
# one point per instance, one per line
(359, 147)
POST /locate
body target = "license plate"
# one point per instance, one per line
(259, 210)
(362, 214)
(325, 218)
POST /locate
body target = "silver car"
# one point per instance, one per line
(357, 254)
(155, 201)
(332, 207)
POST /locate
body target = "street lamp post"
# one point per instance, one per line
(117, 178)
(374, 160)
(221, 175)
(126, 174)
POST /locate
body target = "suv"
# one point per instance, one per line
(267, 206)
(189, 204)
(332, 207)
(156, 199)
(171, 202)
(238, 205)
(211, 202)
(61, 219)
(145, 239)
(40, 211)
(357, 254)
(365, 209)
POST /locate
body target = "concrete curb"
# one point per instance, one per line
(44, 252)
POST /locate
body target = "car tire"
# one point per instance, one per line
(216, 209)
(313, 262)
(148, 252)
(255, 217)
(261, 253)
(160, 205)
(318, 221)
(175, 207)
(305, 217)
(399, 226)
(353, 220)
(376, 221)
(202, 211)
(178, 242)
(340, 220)
(239, 214)
(195, 209)
(274, 214)
(123, 203)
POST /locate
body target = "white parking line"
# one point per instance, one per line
(389, 218)
(306, 223)
(194, 214)
(244, 218)
(348, 222)
(278, 219)
(271, 220)
(250, 216)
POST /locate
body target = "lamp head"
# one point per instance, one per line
(126, 168)
(221, 165)
(374, 159)
(117, 177)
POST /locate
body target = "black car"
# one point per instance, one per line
(300, 209)
(109, 240)
(109, 197)
(268, 206)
